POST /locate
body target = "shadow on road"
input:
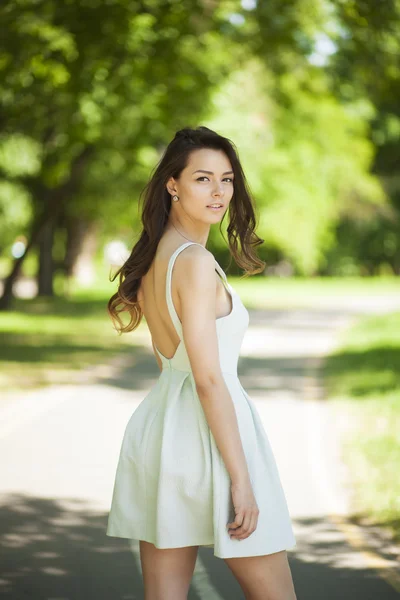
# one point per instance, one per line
(58, 550)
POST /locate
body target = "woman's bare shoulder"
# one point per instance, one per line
(195, 259)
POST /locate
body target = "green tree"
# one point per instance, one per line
(307, 158)
(366, 68)
(92, 84)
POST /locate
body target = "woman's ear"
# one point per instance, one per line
(171, 189)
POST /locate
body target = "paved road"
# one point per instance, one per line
(59, 449)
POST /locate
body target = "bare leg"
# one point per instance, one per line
(266, 577)
(167, 573)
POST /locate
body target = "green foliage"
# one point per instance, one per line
(19, 155)
(366, 65)
(90, 93)
(104, 81)
(353, 75)
(367, 243)
(56, 341)
(362, 377)
(307, 161)
(366, 363)
(15, 211)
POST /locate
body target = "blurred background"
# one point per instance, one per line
(91, 92)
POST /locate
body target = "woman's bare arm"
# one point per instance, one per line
(196, 286)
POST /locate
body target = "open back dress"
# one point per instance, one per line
(171, 485)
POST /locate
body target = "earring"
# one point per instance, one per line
(175, 198)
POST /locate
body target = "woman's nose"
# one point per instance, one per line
(218, 190)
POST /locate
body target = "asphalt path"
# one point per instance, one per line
(59, 448)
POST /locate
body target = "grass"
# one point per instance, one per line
(46, 341)
(296, 292)
(363, 378)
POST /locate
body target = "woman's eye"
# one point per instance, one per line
(204, 177)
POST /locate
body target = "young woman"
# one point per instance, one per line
(196, 467)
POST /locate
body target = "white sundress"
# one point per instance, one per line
(171, 485)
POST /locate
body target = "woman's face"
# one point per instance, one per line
(207, 179)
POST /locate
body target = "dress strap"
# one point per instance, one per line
(222, 273)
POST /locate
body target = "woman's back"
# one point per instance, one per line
(152, 295)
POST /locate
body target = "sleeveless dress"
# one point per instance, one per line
(171, 485)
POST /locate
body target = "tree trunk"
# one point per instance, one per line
(7, 297)
(53, 202)
(46, 263)
(80, 250)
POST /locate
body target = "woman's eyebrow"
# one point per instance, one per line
(210, 172)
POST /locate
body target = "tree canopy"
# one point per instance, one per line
(90, 93)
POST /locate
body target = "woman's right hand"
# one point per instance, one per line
(246, 511)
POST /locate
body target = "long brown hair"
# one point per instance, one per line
(156, 209)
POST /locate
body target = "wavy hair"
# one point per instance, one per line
(155, 213)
